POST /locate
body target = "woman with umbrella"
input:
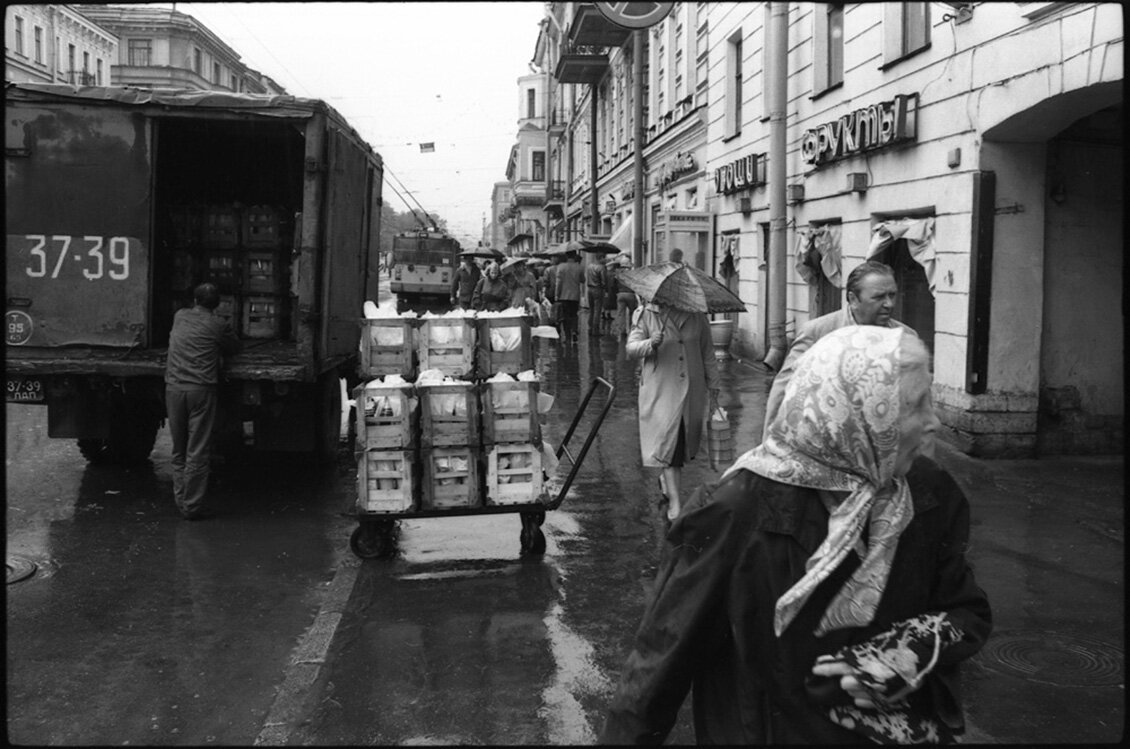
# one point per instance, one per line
(672, 337)
(492, 293)
(522, 283)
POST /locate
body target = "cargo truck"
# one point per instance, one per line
(120, 200)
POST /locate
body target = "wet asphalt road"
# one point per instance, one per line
(139, 627)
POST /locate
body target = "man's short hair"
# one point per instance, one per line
(675, 256)
(864, 269)
(207, 295)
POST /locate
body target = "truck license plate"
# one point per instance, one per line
(25, 390)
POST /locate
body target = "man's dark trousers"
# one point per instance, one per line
(192, 416)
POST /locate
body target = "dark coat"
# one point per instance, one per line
(736, 549)
(491, 294)
(463, 284)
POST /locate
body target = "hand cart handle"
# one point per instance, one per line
(564, 447)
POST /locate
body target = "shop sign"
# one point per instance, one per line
(748, 171)
(683, 163)
(876, 126)
(628, 191)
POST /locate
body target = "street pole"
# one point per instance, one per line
(637, 159)
(778, 83)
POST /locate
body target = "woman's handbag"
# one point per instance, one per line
(719, 438)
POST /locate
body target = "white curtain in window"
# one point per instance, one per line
(820, 245)
(919, 236)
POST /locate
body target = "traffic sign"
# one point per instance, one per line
(635, 15)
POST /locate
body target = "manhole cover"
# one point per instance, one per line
(1053, 659)
(19, 568)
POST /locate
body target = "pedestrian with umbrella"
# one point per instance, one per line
(465, 280)
(678, 376)
(522, 283)
(569, 279)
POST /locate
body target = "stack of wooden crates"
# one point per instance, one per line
(466, 442)
(241, 250)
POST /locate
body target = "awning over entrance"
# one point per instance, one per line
(919, 236)
(623, 235)
(818, 249)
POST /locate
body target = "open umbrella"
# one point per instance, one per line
(681, 286)
(603, 248)
(483, 252)
(511, 262)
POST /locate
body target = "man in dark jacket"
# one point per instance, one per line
(568, 294)
(192, 372)
(463, 283)
(596, 279)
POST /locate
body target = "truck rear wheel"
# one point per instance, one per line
(131, 441)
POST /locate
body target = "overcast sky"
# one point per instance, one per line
(402, 74)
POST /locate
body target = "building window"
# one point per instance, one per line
(216, 73)
(19, 35)
(531, 103)
(71, 59)
(906, 30)
(140, 52)
(98, 71)
(85, 63)
(39, 44)
(829, 50)
(197, 61)
(539, 166)
(734, 85)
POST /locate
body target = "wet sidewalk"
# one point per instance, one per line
(1047, 545)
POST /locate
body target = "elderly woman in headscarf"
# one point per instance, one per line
(492, 294)
(819, 592)
(523, 285)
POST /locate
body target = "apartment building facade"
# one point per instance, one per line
(975, 147)
(56, 44)
(164, 48)
(524, 216)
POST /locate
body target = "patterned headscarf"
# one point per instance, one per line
(838, 430)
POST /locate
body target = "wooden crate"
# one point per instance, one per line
(228, 309)
(489, 361)
(221, 267)
(452, 478)
(220, 230)
(262, 226)
(381, 426)
(456, 356)
(262, 316)
(388, 481)
(457, 429)
(262, 272)
(508, 424)
(185, 222)
(378, 360)
(514, 475)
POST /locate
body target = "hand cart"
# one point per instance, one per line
(375, 535)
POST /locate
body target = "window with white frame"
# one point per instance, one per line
(906, 29)
(531, 103)
(197, 61)
(39, 44)
(19, 35)
(828, 36)
(538, 166)
(71, 58)
(98, 71)
(140, 52)
(734, 85)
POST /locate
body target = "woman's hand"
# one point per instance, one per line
(850, 683)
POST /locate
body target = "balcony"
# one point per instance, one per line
(81, 78)
(590, 27)
(555, 198)
(581, 65)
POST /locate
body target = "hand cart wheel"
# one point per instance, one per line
(374, 539)
(532, 539)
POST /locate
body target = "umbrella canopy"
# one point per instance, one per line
(603, 248)
(511, 262)
(623, 259)
(681, 286)
(483, 252)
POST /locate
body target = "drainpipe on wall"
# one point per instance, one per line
(778, 79)
(637, 159)
(595, 229)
